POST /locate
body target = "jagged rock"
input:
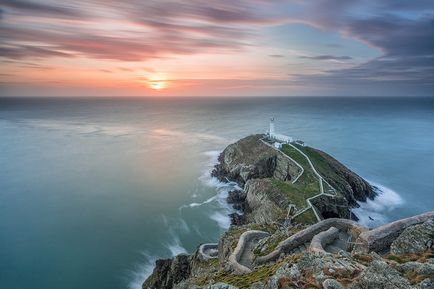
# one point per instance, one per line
(417, 268)
(168, 272)
(380, 275)
(221, 286)
(237, 219)
(331, 265)
(238, 200)
(333, 207)
(249, 159)
(414, 239)
(257, 285)
(331, 284)
(344, 180)
(426, 284)
(266, 203)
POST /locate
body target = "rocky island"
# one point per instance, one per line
(294, 228)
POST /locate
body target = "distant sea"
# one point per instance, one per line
(94, 190)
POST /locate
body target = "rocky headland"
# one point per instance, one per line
(295, 229)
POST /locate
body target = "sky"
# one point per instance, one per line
(217, 48)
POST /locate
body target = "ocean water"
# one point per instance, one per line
(92, 191)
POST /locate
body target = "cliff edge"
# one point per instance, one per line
(294, 229)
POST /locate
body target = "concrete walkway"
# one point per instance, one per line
(321, 180)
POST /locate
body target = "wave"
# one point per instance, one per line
(143, 270)
(374, 213)
(220, 214)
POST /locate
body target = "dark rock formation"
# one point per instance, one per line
(265, 175)
(238, 200)
(168, 272)
(343, 179)
(249, 158)
(333, 207)
(237, 219)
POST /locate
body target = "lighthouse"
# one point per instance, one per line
(271, 131)
(280, 138)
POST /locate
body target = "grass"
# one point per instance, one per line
(420, 257)
(295, 193)
(244, 281)
(322, 165)
(308, 217)
(307, 184)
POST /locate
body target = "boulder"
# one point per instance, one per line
(332, 284)
(380, 275)
(414, 239)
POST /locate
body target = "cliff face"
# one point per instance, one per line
(343, 179)
(250, 158)
(267, 175)
(267, 248)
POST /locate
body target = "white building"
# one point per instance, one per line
(275, 136)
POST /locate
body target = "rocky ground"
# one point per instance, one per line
(324, 256)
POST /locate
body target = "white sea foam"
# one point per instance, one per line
(175, 247)
(374, 213)
(222, 219)
(140, 272)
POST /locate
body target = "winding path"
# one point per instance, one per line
(317, 174)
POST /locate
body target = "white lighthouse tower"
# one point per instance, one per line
(279, 138)
(271, 132)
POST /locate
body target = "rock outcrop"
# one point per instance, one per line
(249, 158)
(267, 249)
(415, 239)
(254, 165)
(168, 272)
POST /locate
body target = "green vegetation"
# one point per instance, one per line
(306, 186)
(417, 257)
(245, 280)
(295, 193)
(308, 217)
(322, 165)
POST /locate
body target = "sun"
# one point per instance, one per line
(157, 82)
(157, 85)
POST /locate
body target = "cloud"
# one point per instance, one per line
(405, 39)
(277, 55)
(326, 57)
(144, 29)
(38, 8)
(24, 51)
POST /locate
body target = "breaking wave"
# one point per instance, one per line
(374, 213)
(142, 271)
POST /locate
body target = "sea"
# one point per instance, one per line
(94, 190)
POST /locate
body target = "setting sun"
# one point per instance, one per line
(157, 85)
(157, 82)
